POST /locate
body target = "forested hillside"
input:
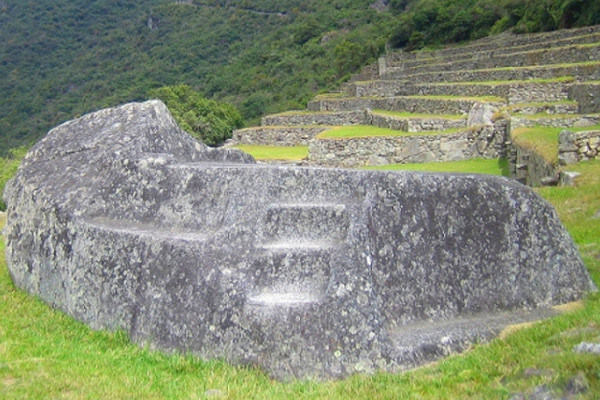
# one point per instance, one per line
(62, 58)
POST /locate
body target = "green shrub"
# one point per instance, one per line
(207, 120)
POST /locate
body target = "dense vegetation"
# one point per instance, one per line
(434, 22)
(207, 120)
(62, 58)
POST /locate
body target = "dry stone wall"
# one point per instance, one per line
(539, 57)
(353, 117)
(538, 92)
(581, 72)
(505, 42)
(279, 136)
(576, 120)
(484, 142)
(530, 168)
(413, 124)
(587, 95)
(410, 104)
(512, 92)
(574, 147)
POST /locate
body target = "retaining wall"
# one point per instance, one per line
(415, 124)
(538, 57)
(530, 168)
(587, 95)
(512, 92)
(554, 121)
(277, 136)
(353, 117)
(476, 142)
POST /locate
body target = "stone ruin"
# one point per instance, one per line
(123, 221)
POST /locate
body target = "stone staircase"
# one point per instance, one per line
(292, 267)
(547, 79)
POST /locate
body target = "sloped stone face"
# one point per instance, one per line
(124, 222)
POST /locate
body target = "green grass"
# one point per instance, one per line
(260, 152)
(473, 166)
(364, 131)
(544, 140)
(416, 115)
(46, 355)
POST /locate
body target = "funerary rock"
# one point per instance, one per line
(122, 220)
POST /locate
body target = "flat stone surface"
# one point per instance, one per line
(122, 220)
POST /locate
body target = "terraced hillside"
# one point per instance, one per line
(479, 100)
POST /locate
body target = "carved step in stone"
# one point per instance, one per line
(283, 299)
(304, 224)
(432, 340)
(151, 231)
(301, 268)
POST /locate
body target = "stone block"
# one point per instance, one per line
(123, 221)
(566, 158)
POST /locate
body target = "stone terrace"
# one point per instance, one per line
(468, 97)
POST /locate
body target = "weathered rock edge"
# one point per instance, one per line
(123, 221)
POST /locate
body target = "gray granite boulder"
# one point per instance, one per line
(122, 220)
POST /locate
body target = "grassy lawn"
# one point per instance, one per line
(275, 152)
(46, 355)
(544, 140)
(363, 131)
(474, 166)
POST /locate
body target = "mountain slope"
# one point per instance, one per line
(62, 58)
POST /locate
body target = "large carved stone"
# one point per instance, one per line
(123, 221)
